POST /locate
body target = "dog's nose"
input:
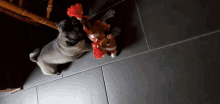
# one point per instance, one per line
(68, 43)
(70, 36)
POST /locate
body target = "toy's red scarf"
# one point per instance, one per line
(77, 11)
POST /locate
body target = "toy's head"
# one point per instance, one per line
(71, 31)
(108, 43)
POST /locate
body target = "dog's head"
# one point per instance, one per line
(71, 31)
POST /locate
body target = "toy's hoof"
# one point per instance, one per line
(116, 31)
(110, 13)
(113, 55)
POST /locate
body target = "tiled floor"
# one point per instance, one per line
(170, 51)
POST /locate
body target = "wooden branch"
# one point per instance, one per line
(20, 17)
(24, 12)
(20, 3)
(49, 8)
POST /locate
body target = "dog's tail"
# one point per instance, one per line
(34, 55)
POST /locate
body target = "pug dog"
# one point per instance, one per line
(67, 47)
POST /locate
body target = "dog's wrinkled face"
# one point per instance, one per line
(71, 31)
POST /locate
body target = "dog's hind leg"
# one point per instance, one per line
(33, 56)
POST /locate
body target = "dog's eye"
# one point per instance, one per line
(76, 29)
(74, 23)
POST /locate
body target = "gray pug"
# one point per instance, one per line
(67, 47)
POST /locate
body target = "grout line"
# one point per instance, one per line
(150, 50)
(107, 8)
(145, 52)
(193, 38)
(37, 96)
(130, 56)
(106, 64)
(105, 86)
(42, 83)
(142, 24)
(81, 71)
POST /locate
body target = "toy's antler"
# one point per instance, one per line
(76, 11)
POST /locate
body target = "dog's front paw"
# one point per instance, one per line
(58, 73)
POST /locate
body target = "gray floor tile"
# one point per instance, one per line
(131, 81)
(36, 77)
(170, 21)
(173, 78)
(131, 41)
(84, 88)
(4, 93)
(208, 56)
(28, 96)
(180, 68)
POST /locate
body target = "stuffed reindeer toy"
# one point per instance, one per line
(96, 31)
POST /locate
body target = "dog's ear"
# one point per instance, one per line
(60, 25)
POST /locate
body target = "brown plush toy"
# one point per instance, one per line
(96, 33)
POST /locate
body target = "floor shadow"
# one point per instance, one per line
(28, 68)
